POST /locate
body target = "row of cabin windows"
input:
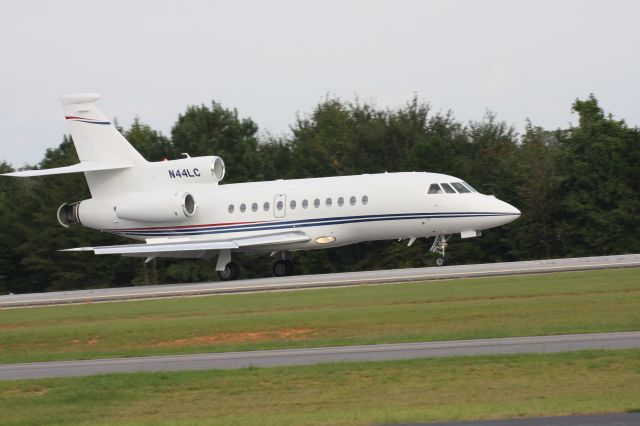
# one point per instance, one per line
(304, 204)
(460, 187)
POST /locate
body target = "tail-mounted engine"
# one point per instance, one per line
(154, 208)
(68, 214)
(174, 207)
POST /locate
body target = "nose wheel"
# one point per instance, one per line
(439, 246)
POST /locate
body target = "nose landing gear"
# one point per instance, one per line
(439, 246)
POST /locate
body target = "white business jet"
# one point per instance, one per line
(179, 209)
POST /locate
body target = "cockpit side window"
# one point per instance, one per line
(460, 187)
(434, 188)
(447, 188)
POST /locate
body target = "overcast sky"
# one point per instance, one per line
(274, 59)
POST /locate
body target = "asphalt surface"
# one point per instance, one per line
(325, 280)
(282, 357)
(618, 419)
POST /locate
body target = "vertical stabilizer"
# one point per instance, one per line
(94, 137)
(97, 140)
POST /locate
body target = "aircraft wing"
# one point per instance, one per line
(85, 166)
(186, 248)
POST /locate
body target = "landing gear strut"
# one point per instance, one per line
(227, 270)
(440, 247)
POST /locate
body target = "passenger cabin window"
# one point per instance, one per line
(279, 205)
(340, 201)
(292, 204)
(316, 203)
(265, 206)
(447, 188)
(243, 208)
(434, 188)
(328, 202)
(352, 200)
(231, 208)
(305, 204)
(365, 200)
(254, 207)
(460, 187)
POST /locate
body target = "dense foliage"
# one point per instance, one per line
(578, 189)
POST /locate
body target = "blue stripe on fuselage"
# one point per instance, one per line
(301, 223)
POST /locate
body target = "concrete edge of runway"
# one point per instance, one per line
(613, 419)
(308, 356)
(320, 281)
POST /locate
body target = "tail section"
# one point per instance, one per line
(107, 159)
(94, 137)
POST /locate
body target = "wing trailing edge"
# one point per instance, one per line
(197, 248)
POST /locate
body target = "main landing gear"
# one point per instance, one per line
(282, 268)
(439, 246)
(229, 271)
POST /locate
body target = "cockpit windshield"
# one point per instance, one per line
(460, 187)
(447, 188)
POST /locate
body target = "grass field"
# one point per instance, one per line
(580, 302)
(338, 394)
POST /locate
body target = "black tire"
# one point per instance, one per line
(231, 272)
(282, 268)
(441, 261)
(289, 267)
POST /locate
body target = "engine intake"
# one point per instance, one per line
(217, 168)
(68, 214)
(158, 208)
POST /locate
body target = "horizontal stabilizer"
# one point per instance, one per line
(85, 166)
(196, 248)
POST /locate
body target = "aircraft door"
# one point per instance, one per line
(280, 205)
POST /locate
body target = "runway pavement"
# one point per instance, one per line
(325, 280)
(617, 419)
(272, 358)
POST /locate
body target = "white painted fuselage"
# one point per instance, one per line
(349, 209)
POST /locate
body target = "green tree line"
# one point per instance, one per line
(578, 189)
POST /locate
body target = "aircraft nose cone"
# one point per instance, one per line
(491, 212)
(511, 213)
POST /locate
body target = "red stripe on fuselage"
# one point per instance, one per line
(187, 226)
